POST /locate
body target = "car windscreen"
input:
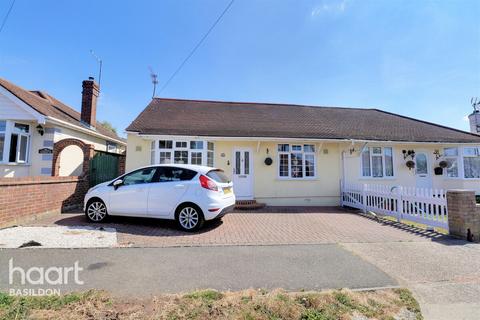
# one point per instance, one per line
(218, 175)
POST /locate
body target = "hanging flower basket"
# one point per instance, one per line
(443, 164)
(410, 164)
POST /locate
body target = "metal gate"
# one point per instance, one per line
(103, 167)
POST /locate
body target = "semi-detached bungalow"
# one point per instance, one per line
(32, 122)
(283, 154)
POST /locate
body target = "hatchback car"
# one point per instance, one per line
(188, 194)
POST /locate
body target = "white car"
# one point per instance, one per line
(188, 194)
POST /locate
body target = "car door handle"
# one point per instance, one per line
(179, 186)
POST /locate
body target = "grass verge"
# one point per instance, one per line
(211, 304)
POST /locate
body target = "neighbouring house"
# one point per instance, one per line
(283, 154)
(41, 136)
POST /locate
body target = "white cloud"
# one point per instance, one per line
(329, 6)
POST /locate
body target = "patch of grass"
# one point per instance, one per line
(207, 295)
(409, 302)
(214, 305)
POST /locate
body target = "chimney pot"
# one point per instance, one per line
(89, 101)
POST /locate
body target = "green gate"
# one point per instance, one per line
(103, 167)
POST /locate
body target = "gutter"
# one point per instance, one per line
(84, 130)
(220, 138)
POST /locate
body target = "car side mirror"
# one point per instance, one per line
(117, 183)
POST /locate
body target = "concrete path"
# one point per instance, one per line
(145, 271)
(444, 276)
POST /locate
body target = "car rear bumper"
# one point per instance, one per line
(224, 206)
(225, 211)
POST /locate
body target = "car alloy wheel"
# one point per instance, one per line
(96, 211)
(189, 218)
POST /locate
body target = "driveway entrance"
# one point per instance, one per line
(269, 226)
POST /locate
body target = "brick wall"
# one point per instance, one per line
(26, 198)
(463, 215)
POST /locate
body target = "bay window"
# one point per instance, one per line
(471, 162)
(377, 162)
(196, 152)
(14, 142)
(296, 161)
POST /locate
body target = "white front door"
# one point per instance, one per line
(423, 171)
(242, 173)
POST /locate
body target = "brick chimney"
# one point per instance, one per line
(89, 101)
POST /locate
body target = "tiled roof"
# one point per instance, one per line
(49, 106)
(241, 119)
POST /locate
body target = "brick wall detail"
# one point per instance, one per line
(463, 214)
(23, 199)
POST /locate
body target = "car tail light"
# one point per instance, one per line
(207, 183)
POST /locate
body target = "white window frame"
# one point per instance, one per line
(204, 151)
(457, 158)
(384, 168)
(289, 155)
(469, 156)
(9, 130)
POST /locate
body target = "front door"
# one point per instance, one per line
(423, 171)
(242, 173)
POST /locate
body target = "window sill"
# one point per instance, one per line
(379, 178)
(14, 164)
(297, 179)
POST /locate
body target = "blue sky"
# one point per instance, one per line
(416, 58)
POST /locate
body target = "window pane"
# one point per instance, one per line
(165, 157)
(377, 166)
(210, 146)
(283, 148)
(247, 162)
(2, 143)
(139, 177)
(452, 167)
(165, 144)
(13, 148)
(450, 152)
(175, 174)
(296, 161)
(472, 167)
(471, 151)
(388, 162)
(308, 148)
(377, 150)
(196, 144)
(210, 159)
(237, 162)
(219, 176)
(23, 149)
(296, 148)
(366, 163)
(421, 163)
(181, 144)
(283, 165)
(22, 127)
(3, 126)
(309, 165)
(196, 158)
(181, 157)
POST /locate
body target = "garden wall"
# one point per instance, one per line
(24, 199)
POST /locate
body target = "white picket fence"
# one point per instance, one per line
(422, 205)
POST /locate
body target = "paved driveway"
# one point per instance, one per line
(271, 226)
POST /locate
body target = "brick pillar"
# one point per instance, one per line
(121, 164)
(463, 215)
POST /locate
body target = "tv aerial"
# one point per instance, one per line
(154, 78)
(475, 102)
(99, 61)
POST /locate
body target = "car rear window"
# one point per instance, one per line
(218, 175)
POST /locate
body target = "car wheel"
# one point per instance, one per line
(96, 211)
(189, 217)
